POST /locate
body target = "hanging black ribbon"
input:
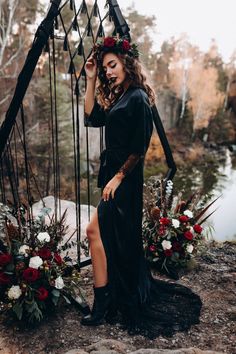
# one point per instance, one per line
(165, 144)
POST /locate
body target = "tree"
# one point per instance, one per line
(141, 27)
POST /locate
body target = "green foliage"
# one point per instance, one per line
(55, 296)
(18, 309)
(159, 169)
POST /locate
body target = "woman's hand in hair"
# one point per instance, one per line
(112, 185)
(91, 67)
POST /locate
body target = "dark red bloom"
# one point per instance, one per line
(197, 228)
(183, 218)
(126, 45)
(5, 259)
(176, 246)
(45, 253)
(109, 42)
(164, 221)
(152, 248)
(30, 274)
(162, 230)
(4, 278)
(42, 293)
(20, 265)
(188, 235)
(58, 258)
(168, 253)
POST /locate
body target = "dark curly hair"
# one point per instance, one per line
(107, 95)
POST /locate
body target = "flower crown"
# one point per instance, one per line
(116, 45)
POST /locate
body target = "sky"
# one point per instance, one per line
(202, 20)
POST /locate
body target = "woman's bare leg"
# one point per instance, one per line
(98, 256)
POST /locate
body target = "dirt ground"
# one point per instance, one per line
(213, 279)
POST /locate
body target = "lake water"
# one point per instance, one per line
(224, 218)
(215, 176)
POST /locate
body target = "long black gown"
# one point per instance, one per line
(147, 305)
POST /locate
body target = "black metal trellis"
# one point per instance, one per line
(46, 37)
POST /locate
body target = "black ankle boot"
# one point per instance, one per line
(100, 307)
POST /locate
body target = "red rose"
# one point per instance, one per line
(125, 45)
(183, 218)
(109, 42)
(197, 228)
(45, 253)
(165, 221)
(58, 258)
(176, 246)
(152, 248)
(42, 293)
(168, 253)
(5, 258)
(4, 278)
(188, 235)
(30, 274)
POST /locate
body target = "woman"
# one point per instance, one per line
(122, 282)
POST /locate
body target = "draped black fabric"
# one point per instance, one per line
(151, 307)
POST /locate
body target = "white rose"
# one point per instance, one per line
(35, 262)
(190, 248)
(23, 250)
(166, 245)
(14, 292)
(59, 283)
(175, 223)
(188, 213)
(43, 237)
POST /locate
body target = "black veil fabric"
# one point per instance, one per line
(148, 306)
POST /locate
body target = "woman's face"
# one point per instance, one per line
(113, 68)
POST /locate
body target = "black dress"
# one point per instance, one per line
(147, 305)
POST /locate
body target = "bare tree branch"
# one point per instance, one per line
(6, 30)
(12, 58)
(4, 99)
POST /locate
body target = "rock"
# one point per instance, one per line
(175, 351)
(111, 346)
(70, 220)
(76, 351)
(108, 346)
(104, 352)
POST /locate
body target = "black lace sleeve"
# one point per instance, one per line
(97, 118)
(130, 164)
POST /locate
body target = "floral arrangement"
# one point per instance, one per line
(33, 275)
(117, 45)
(172, 227)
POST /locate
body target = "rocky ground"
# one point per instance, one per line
(213, 279)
